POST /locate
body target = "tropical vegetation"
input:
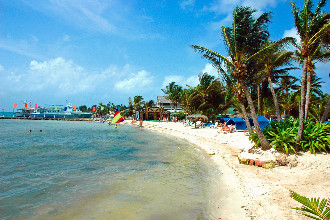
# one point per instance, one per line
(314, 208)
(255, 77)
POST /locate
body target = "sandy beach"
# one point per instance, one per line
(251, 192)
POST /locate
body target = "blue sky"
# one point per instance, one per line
(91, 51)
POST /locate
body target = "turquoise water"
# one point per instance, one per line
(6, 114)
(85, 170)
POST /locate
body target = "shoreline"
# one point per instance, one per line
(250, 192)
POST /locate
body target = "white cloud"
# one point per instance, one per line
(1, 68)
(210, 70)
(66, 38)
(135, 82)
(292, 33)
(64, 75)
(192, 81)
(225, 6)
(172, 78)
(187, 3)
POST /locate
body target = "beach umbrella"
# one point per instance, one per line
(197, 117)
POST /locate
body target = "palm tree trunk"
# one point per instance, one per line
(246, 118)
(302, 102)
(263, 141)
(326, 111)
(277, 107)
(309, 82)
(259, 99)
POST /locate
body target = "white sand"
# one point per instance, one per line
(250, 192)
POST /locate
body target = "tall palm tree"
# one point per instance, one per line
(137, 103)
(313, 30)
(173, 93)
(243, 41)
(287, 83)
(185, 102)
(150, 103)
(209, 95)
(273, 60)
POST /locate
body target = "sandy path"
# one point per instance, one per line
(249, 192)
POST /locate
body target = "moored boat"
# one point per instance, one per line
(59, 111)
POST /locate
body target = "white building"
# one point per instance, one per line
(162, 101)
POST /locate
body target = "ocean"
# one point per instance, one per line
(6, 114)
(89, 170)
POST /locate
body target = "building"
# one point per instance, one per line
(166, 104)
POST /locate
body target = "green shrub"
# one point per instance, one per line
(316, 137)
(282, 135)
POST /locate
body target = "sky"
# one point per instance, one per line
(91, 51)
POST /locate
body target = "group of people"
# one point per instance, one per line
(224, 127)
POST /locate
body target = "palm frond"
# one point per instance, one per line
(314, 207)
(320, 5)
(297, 20)
(320, 33)
(210, 54)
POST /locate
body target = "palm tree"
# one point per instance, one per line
(150, 103)
(209, 95)
(185, 101)
(318, 105)
(273, 60)
(287, 83)
(326, 111)
(173, 93)
(243, 42)
(313, 30)
(137, 103)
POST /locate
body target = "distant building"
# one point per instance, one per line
(163, 102)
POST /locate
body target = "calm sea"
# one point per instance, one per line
(7, 114)
(89, 170)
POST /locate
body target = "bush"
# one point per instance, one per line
(316, 137)
(282, 135)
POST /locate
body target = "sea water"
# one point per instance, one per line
(90, 170)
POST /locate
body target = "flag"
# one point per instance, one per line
(25, 105)
(117, 117)
(35, 105)
(93, 108)
(74, 108)
(55, 107)
(15, 105)
(102, 108)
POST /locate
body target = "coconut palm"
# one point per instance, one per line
(209, 95)
(243, 41)
(273, 61)
(287, 83)
(185, 102)
(313, 30)
(137, 103)
(150, 103)
(173, 93)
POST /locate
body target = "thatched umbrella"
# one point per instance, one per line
(197, 117)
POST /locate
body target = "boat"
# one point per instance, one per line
(59, 111)
(23, 113)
